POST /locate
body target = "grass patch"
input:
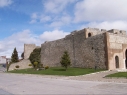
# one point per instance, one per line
(119, 75)
(57, 71)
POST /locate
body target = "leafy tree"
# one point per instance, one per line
(36, 65)
(22, 55)
(14, 57)
(65, 60)
(35, 56)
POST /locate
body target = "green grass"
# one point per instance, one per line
(119, 75)
(57, 71)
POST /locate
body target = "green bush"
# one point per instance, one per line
(30, 64)
(47, 67)
(35, 63)
(35, 56)
(65, 60)
(17, 66)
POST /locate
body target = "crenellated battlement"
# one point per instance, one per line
(116, 31)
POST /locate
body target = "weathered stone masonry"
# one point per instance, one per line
(28, 48)
(88, 48)
(84, 51)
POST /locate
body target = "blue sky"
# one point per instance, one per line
(36, 21)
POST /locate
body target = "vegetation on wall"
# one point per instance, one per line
(35, 57)
(65, 60)
(14, 57)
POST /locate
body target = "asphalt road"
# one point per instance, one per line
(14, 84)
(2, 69)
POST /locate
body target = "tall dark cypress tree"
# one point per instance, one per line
(14, 57)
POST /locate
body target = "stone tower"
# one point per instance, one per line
(28, 48)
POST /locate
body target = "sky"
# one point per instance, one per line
(37, 21)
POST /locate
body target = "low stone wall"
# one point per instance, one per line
(24, 64)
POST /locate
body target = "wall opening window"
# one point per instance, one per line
(89, 35)
(126, 59)
(117, 61)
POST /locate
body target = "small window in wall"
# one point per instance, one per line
(89, 34)
(117, 61)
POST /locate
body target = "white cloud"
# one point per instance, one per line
(39, 18)
(53, 35)
(18, 39)
(100, 10)
(34, 18)
(54, 21)
(60, 21)
(56, 24)
(121, 25)
(44, 18)
(4, 3)
(56, 6)
(33, 21)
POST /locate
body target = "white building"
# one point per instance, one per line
(2, 60)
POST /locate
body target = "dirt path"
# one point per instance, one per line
(99, 77)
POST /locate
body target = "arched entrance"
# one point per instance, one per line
(117, 61)
(126, 59)
(89, 34)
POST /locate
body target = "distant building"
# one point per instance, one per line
(8, 60)
(3, 60)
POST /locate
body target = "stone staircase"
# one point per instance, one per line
(22, 65)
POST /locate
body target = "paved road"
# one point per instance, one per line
(2, 69)
(14, 84)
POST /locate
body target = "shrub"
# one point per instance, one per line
(65, 60)
(47, 67)
(35, 56)
(35, 63)
(17, 66)
(30, 64)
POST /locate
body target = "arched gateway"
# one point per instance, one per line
(126, 59)
(117, 61)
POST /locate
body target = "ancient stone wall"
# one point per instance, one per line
(91, 52)
(28, 48)
(85, 53)
(51, 52)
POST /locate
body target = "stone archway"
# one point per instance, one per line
(89, 35)
(117, 61)
(126, 59)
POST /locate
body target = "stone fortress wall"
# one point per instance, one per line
(86, 49)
